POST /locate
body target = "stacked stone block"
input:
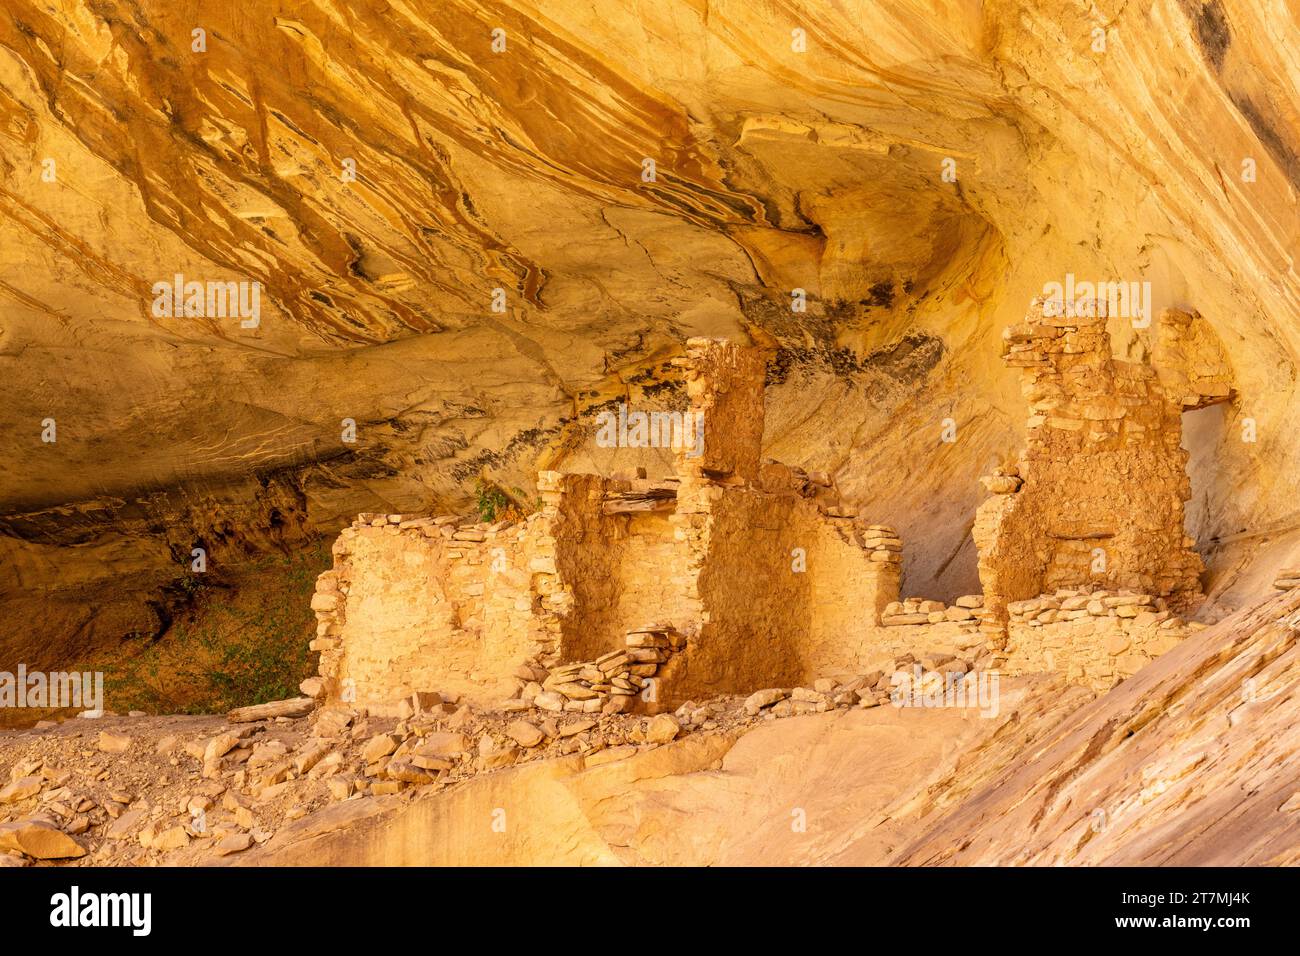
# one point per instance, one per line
(1097, 497)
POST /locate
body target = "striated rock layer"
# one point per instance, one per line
(918, 170)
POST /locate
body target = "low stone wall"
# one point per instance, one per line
(1095, 638)
(918, 627)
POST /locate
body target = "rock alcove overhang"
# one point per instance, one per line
(778, 170)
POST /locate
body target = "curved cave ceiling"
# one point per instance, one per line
(778, 165)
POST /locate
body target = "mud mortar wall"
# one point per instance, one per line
(623, 571)
(1098, 495)
(415, 605)
(766, 623)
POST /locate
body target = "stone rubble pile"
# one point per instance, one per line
(155, 796)
(230, 787)
(198, 787)
(610, 684)
(872, 689)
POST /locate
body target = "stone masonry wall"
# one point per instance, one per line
(1191, 361)
(747, 525)
(626, 593)
(422, 603)
(1097, 496)
(620, 570)
(755, 570)
(784, 589)
(1092, 637)
(724, 384)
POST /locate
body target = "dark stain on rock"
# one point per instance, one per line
(164, 610)
(531, 438)
(1213, 33)
(908, 360)
(674, 389)
(881, 294)
(1268, 135)
(298, 131)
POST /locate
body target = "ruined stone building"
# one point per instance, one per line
(1083, 555)
(738, 573)
(1098, 495)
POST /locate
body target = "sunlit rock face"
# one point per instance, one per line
(474, 226)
